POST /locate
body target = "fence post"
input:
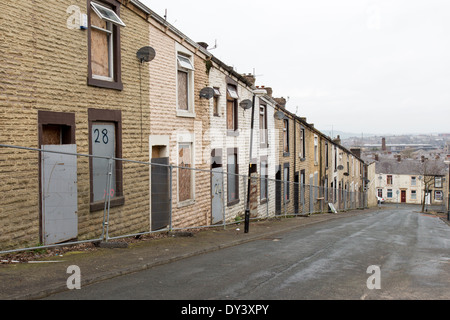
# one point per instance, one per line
(170, 196)
(108, 197)
(223, 200)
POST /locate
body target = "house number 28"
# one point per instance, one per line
(104, 136)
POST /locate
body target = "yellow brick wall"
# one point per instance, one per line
(44, 67)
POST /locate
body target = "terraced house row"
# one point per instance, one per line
(112, 119)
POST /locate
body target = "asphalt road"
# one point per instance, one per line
(410, 253)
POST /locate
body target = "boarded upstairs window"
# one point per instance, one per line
(104, 58)
(101, 33)
(183, 90)
(184, 175)
(232, 121)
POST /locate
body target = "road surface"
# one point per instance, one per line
(392, 253)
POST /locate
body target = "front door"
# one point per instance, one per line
(59, 194)
(403, 196)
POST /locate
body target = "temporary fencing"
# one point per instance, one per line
(55, 196)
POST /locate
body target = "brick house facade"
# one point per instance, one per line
(57, 90)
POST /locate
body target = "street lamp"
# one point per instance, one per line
(247, 207)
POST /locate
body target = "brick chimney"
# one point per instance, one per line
(281, 101)
(383, 144)
(337, 139)
(203, 44)
(250, 78)
(356, 152)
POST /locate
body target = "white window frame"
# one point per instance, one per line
(184, 62)
(110, 35)
(98, 8)
(232, 91)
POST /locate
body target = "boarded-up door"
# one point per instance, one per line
(160, 193)
(217, 195)
(59, 194)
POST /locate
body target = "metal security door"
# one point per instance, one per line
(160, 193)
(217, 195)
(59, 194)
(278, 190)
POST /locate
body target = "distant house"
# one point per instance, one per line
(410, 181)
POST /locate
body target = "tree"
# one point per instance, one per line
(429, 169)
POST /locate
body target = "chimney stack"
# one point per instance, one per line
(250, 78)
(281, 101)
(337, 140)
(203, 44)
(356, 152)
(383, 144)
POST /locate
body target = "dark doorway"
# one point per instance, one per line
(160, 193)
(278, 190)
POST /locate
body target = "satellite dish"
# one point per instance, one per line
(207, 93)
(340, 167)
(146, 54)
(279, 115)
(246, 104)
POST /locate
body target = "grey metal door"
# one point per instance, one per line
(311, 195)
(217, 195)
(59, 194)
(160, 193)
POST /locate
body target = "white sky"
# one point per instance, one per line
(360, 66)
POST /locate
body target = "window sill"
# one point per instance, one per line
(115, 85)
(185, 114)
(233, 202)
(185, 203)
(232, 133)
(100, 205)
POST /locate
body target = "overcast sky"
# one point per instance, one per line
(361, 66)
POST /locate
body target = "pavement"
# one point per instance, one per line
(44, 277)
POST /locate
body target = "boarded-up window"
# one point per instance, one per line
(104, 52)
(183, 90)
(184, 175)
(231, 108)
(185, 80)
(101, 46)
(286, 135)
(216, 102)
(262, 124)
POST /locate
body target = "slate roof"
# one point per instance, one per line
(411, 167)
